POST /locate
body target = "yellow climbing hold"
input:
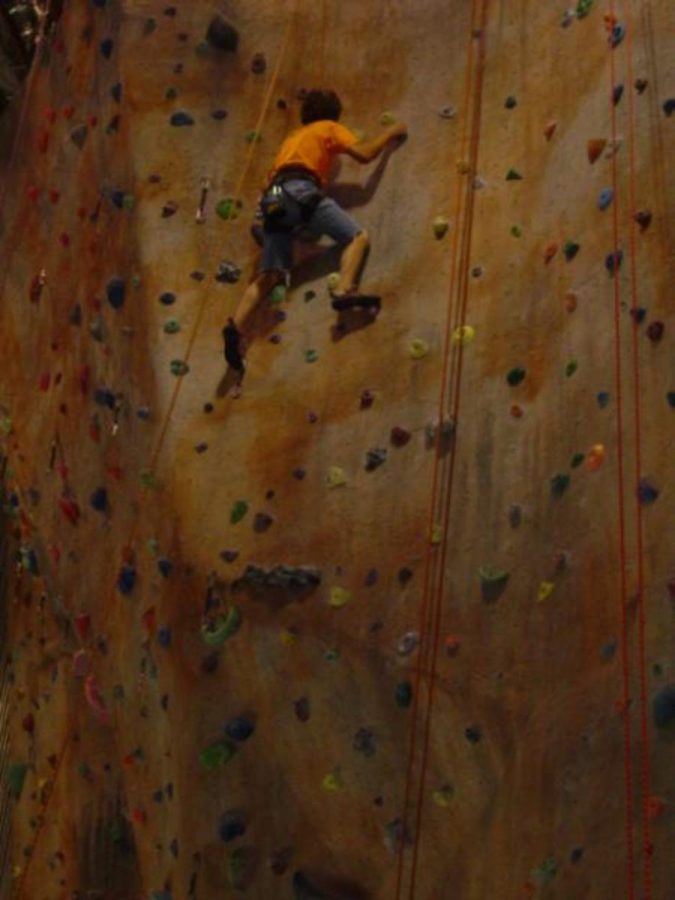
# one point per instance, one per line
(545, 590)
(339, 597)
(387, 118)
(332, 782)
(287, 637)
(436, 533)
(440, 227)
(595, 457)
(443, 796)
(333, 281)
(418, 348)
(464, 334)
(336, 477)
(463, 167)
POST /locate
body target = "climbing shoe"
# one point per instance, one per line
(232, 339)
(340, 302)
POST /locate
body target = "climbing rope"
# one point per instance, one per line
(428, 594)
(174, 396)
(645, 775)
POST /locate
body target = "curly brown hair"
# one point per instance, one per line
(318, 105)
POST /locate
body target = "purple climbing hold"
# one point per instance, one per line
(164, 636)
(167, 298)
(229, 556)
(299, 474)
(262, 522)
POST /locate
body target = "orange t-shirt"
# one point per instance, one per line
(314, 147)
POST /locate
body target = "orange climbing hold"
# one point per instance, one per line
(570, 301)
(550, 130)
(550, 252)
(595, 457)
(595, 147)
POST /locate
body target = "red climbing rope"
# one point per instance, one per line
(429, 569)
(623, 593)
(645, 775)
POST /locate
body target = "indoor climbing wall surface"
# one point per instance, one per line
(397, 620)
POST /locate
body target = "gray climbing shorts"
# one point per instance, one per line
(327, 219)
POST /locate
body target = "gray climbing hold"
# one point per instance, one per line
(281, 576)
(228, 272)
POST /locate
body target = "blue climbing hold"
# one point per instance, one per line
(663, 707)
(647, 492)
(99, 499)
(164, 636)
(240, 728)
(116, 293)
(165, 566)
(107, 47)
(605, 198)
(181, 118)
(603, 399)
(232, 825)
(126, 580)
(617, 35)
(167, 298)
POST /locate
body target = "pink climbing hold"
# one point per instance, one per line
(95, 700)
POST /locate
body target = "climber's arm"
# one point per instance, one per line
(367, 151)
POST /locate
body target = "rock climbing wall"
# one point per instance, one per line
(395, 620)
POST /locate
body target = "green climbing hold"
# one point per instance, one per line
(179, 367)
(136, 281)
(148, 479)
(215, 633)
(387, 118)
(545, 872)
(559, 484)
(583, 8)
(570, 250)
(571, 367)
(128, 202)
(440, 227)
(515, 376)
(152, 547)
(516, 231)
(513, 175)
(16, 775)
(278, 294)
(577, 460)
(172, 326)
(491, 576)
(311, 356)
(217, 755)
(226, 208)
(238, 511)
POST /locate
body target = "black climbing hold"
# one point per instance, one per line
(221, 35)
(647, 492)
(375, 457)
(143, 412)
(638, 313)
(167, 298)
(228, 272)
(670, 397)
(232, 825)
(240, 728)
(104, 397)
(364, 742)
(170, 11)
(576, 854)
(229, 556)
(663, 707)
(617, 94)
(107, 47)
(126, 580)
(510, 102)
(281, 103)
(116, 293)
(515, 376)
(404, 694)
(669, 106)
(287, 577)
(219, 114)
(613, 261)
(79, 135)
(302, 709)
(473, 734)
(404, 575)
(116, 92)
(262, 522)
(165, 566)
(75, 315)
(99, 499)
(117, 199)
(570, 250)
(641, 85)
(181, 118)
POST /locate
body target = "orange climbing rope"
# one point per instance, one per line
(623, 593)
(171, 406)
(429, 569)
(645, 775)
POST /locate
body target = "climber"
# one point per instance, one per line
(294, 200)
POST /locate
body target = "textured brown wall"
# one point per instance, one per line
(509, 767)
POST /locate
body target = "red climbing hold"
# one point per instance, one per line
(68, 112)
(50, 115)
(139, 816)
(83, 378)
(45, 381)
(33, 193)
(82, 625)
(550, 252)
(149, 619)
(655, 332)
(70, 509)
(595, 147)
(43, 141)
(54, 195)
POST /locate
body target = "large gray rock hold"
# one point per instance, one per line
(221, 35)
(287, 577)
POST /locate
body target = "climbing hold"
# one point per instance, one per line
(181, 118)
(116, 292)
(339, 597)
(261, 522)
(577, 460)
(603, 399)
(96, 703)
(559, 484)
(106, 48)
(336, 477)
(253, 137)
(596, 457)
(550, 252)
(179, 367)
(594, 148)
(278, 294)
(228, 272)
(567, 18)
(618, 33)
(515, 516)
(463, 167)
(238, 511)
(669, 106)
(473, 734)
(333, 281)
(216, 632)
(513, 175)
(663, 707)
(571, 368)
(311, 356)
(605, 198)
(167, 298)
(491, 577)
(655, 331)
(217, 755)
(440, 227)
(99, 499)
(221, 35)
(70, 509)
(447, 112)
(290, 578)
(510, 102)
(549, 130)
(375, 457)
(302, 709)
(404, 694)
(171, 326)
(643, 217)
(570, 249)
(515, 376)
(418, 348)
(399, 437)
(79, 135)
(126, 579)
(232, 825)
(613, 261)
(647, 492)
(408, 643)
(387, 118)
(545, 590)
(367, 399)
(240, 728)
(364, 742)
(332, 782)
(15, 778)
(583, 8)
(641, 85)
(617, 94)
(516, 231)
